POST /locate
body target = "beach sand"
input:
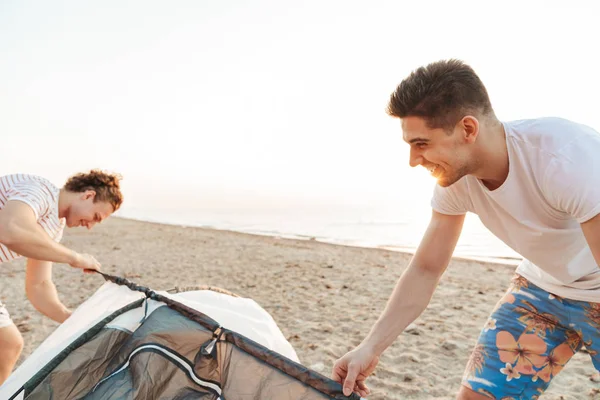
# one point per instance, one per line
(324, 298)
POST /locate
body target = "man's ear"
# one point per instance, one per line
(89, 194)
(469, 126)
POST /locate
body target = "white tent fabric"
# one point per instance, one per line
(238, 314)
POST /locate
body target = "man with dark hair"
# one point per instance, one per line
(535, 184)
(33, 214)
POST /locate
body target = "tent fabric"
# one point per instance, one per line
(129, 342)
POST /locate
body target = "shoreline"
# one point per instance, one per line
(505, 261)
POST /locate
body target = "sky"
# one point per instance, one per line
(228, 102)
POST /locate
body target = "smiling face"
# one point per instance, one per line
(447, 156)
(85, 212)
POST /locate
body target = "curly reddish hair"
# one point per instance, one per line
(105, 185)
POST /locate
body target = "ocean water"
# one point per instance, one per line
(389, 228)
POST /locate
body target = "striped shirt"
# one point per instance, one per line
(41, 195)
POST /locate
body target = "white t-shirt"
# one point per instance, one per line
(553, 186)
(41, 195)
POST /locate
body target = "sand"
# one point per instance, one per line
(323, 297)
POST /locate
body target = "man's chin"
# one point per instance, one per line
(444, 182)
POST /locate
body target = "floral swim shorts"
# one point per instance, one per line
(528, 339)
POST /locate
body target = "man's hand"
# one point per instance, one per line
(67, 314)
(353, 368)
(86, 262)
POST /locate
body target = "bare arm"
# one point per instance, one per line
(20, 232)
(417, 284)
(408, 300)
(591, 231)
(41, 291)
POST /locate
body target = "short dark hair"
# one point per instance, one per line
(442, 93)
(106, 186)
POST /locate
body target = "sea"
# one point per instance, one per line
(392, 228)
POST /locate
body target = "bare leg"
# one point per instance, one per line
(467, 394)
(11, 344)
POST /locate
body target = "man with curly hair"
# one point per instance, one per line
(33, 214)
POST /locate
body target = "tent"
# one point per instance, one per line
(130, 342)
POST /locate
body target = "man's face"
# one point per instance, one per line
(445, 155)
(85, 212)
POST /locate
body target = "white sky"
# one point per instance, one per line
(226, 99)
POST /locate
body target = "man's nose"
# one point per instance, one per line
(415, 158)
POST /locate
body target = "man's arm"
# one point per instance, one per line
(20, 232)
(591, 231)
(408, 300)
(417, 284)
(41, 291)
